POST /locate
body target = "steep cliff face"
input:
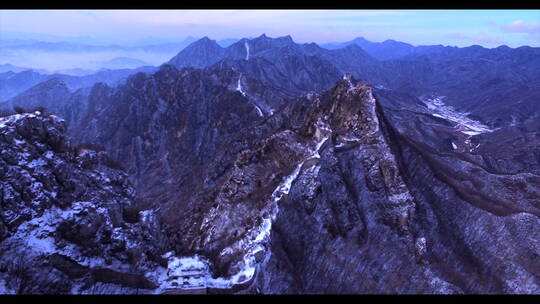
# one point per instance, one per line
(401, 210)
(174, 131)
(68, 222)
(322, 182)
(347, 223)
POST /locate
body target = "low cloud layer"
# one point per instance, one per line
(54, 61)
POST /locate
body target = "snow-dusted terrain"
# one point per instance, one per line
(241, 90)
(62, 212)
(254, 243)
(465, 126)
(463, 123)
(246, 44)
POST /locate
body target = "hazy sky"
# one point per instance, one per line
(488, 28)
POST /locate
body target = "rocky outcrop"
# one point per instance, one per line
(347, 224)
(65, 219)
(341, 238)
(324, 180)
(381, 211)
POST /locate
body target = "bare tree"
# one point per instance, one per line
(21, 271)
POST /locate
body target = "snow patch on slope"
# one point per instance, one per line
(241, 90)
(463, 123)
(246, 44)
(252, 244)
(239, 86)
(262, 233)
(347, 77)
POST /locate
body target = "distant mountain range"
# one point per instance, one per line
(389, 49)
(13, 45)
(71, 47)
(112, 64)
(16, 69)
(12, 83)
(392, 49)
(500, 74)
(123, 63)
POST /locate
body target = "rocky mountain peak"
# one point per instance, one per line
(205, 41)
(290, 157)
(263, 43)
(285, 39)
(200, 53)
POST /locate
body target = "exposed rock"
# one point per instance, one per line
(61, 214)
